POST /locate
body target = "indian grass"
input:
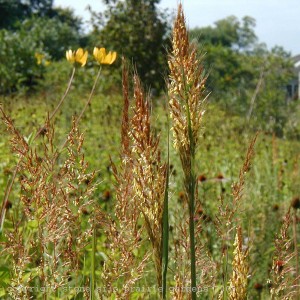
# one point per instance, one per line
(240, 270)
(187, 96)
(59, 223)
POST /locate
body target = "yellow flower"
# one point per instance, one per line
(39, 58)
(78, 56)
(103, 58)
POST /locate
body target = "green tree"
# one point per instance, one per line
(137, 30)
(39, 7)
(271, 107)
(53, 36)
(40, 30)
(229, 33)
(20, 68)
(238, 64)
(12, 11)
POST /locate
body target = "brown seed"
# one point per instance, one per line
(87, 181)
(43, 131)
(220, 176)
(8, 205)
(258, 286)
(202, 178)
(279, 265)
(181, 196)
(106, 195)
(84, 211)
(295, 203)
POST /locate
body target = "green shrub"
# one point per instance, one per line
(18, 50)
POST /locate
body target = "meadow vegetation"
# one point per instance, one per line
(112, 190)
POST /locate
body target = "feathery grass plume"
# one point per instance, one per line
(187, 96)
(140, 191)
(283, 283)
(186, 89)
(240, 270)
(228, 212)
(54, 228)
(149, 174)
(238, 187)
(123, 268)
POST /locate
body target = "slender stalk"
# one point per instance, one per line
(192, 237)
(90, 96)
(165, 235)
(51, 116)
(93, 276)
(191, 187)
(86, 105)
(225, 271)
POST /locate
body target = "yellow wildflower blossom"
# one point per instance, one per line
(78, 56)
(39, 58)
(104, 58)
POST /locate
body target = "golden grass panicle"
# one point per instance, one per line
(124, 233)
(240, 270)
(186, 87)
(228, 211)
(186, 92)
(149, 174)
(140, 186)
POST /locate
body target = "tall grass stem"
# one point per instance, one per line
(165, 236)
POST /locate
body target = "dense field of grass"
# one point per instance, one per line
(69, 228)
(270, 185)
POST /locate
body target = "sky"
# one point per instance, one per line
(277, 21)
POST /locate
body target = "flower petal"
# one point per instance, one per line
(95, 52)
(79, 54)
(113, 57)
(70, 56)
(83, 59)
